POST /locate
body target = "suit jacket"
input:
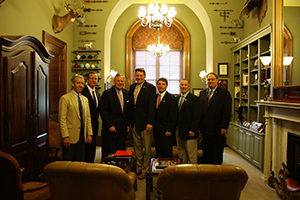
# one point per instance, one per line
(216, 114)
(111, 112)
(189, 117)
(166, 115)
(69, 117)
(94, 112)
(143, 112)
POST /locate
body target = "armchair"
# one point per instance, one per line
(11, 186)
(55, 145)
(202, 182)
(80, 180)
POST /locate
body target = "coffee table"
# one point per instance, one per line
(153, 172)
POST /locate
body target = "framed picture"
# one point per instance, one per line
(223, 69)
(223, 83)
(196, 91)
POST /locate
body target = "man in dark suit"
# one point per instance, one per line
(215, 116)
(187, 132)
(93, 96)
(74, 122)
(165, 120)
(114, 111)
(142, 97)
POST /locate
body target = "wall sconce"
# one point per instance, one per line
(266, 60)
(109, 78)
(203, 75)
(287, 60)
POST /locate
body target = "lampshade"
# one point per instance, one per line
(266, 60)
(203, 75)
(287, 60)
(113, 73)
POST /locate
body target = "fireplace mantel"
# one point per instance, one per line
(280, 118)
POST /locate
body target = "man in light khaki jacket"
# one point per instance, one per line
(75, 122)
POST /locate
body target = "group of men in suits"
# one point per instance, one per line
(144, 111)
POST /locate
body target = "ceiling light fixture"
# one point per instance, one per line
(159, 50)
(156, 16)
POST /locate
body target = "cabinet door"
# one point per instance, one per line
(40, 139)
(18, 110)
(241, 141)
(258, 151)
(248, 144)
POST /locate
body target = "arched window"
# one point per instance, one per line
(174, 66)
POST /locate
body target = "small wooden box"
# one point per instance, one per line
(287, 94)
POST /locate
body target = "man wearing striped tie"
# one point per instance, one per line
(74, 122)
(114, 111)
(215, 116)
(143, 100)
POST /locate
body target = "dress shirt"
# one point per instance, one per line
(136, 88)
(117, 91)
(212, 91)
(91, 92)
(161, 97)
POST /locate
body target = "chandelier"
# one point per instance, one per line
(156, 16)
(159, 50)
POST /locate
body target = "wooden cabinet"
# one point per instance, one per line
(250, 75)
(249, 80)
(247, 143)
(24, 103)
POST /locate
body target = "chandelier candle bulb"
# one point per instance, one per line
(156, 16)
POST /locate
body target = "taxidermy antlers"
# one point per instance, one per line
(1, 1)
(250, 5)
(59, 23)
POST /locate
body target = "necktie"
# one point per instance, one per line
(137, 93)
(209, 97)
(180, 102)
(94, 97)
(159, 100)
(121, 100)
(80, 108)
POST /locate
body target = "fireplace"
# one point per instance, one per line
(293, 151)
(282, 136)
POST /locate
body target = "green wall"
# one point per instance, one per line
(30, 17)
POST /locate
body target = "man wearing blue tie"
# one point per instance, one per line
(75, 122)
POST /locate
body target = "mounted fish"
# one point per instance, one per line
(60, 23)
(260, 5)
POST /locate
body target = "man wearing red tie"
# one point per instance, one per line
(114, 111)
(165, 120)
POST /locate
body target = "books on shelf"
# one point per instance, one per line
(245, 79)
(237, 91)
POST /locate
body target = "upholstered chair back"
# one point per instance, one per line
(205, 182)
(80, 180)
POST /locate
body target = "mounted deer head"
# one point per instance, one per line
(59, 23)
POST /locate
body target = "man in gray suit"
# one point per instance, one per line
(75, 122)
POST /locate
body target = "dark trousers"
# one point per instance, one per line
(76, 152)
(111, 142)
(90, 148)
(163, 146)
(213, 147)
